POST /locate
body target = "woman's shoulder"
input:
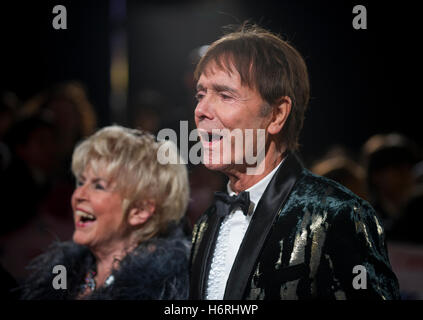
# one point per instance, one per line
(174, 246)
(156, 269)
(66, 253)
(70, 257)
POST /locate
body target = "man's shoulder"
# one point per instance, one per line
(313, 191)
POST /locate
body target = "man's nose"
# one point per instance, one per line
(204, 109)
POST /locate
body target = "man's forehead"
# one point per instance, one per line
(237, 71)
(221, 66)
(219, 74)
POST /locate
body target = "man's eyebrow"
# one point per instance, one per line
(221, 87)
(200, 87)
(217, 87)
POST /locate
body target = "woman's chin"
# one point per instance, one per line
(79, 238)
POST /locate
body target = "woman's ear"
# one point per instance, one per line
(139, 215)
(280, 114)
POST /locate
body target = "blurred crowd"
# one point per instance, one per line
(37, 138)
(388, 173)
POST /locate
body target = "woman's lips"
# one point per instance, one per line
(83, 218)
(80, 224)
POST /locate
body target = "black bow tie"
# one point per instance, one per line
(226, 203)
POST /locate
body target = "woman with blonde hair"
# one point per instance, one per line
(128, 243)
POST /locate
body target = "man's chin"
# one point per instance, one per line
(217, 166)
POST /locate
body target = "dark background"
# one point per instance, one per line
(363, 81)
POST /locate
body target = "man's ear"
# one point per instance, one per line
(139, 215)
(280, 114)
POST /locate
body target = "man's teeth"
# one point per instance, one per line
(85, 215)
(213, 137)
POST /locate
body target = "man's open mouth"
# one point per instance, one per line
(211, 137)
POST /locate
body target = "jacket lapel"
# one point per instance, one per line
(268, 208)
(201, 264)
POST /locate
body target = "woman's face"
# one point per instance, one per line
(97, 210)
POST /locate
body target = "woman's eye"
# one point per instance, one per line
(99, 186)
(79, 183)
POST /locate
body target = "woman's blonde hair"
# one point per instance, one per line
(128, 157)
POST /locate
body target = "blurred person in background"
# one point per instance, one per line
(127, 243)
(408, 227)
(149, 111)
(70, 110)
(389, 160)
(24, 187)
(9, 104)
(338, 166)
(8, 107)
(41, 140)
(73, 117)
(34, 157)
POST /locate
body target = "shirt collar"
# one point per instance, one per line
(256, 191)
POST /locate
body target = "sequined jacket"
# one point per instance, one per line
(157, 269)
(304, 240)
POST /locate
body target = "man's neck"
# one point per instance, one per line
(240, 180)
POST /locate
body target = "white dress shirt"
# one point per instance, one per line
(231, 233)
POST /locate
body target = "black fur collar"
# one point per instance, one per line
(156, 269)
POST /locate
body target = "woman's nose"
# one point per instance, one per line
(81, 192)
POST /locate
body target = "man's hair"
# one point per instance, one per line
(128, 158)
(268, 64)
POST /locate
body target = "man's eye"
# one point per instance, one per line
(199, 96)
(225, 96)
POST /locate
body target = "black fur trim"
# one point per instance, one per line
(156, 269)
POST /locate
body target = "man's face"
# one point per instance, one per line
(223, 103)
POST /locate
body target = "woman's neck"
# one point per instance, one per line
(108, 258)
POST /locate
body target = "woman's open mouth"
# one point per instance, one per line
(84, 219)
